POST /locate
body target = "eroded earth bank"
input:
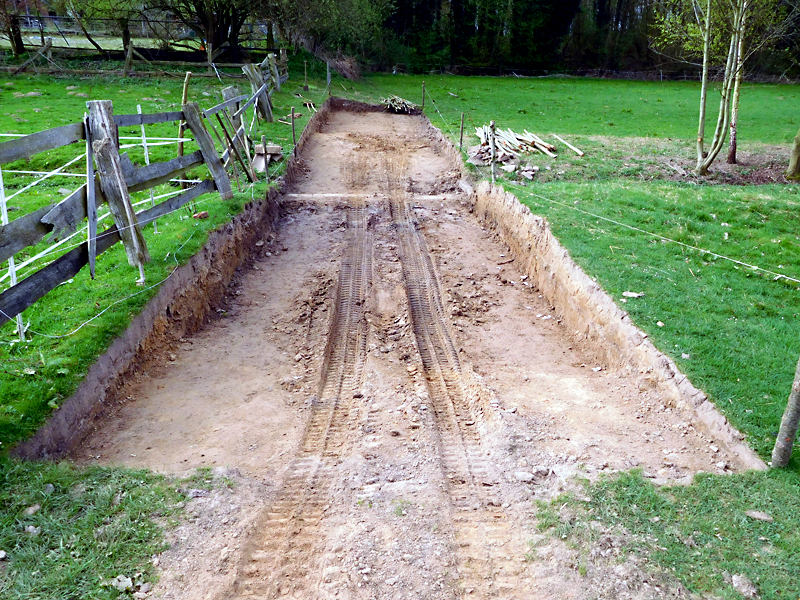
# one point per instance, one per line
(384, 399)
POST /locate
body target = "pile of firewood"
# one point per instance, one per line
(508, 145)
(399, 105)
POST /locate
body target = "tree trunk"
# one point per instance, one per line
(724, 115)
(701, 126)
(736, 91)
(793, 172)
(782, 451)
(124, 27)
(17, 43)
(76, 17)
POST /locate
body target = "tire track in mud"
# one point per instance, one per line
(481, 526)
(280, 558)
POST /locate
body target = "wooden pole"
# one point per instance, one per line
(305, 75)
(91, 201)
(128, 59)
(329, 78)
(256, 79)
(423, 95)
(493, 146)
(294, 137)
(461, 135)
(12, 271)
(266, 156)
(147, 162)
(182, 124)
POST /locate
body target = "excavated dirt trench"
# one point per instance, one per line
(386, 396)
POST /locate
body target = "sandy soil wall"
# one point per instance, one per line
(589, 311)
(181, 306)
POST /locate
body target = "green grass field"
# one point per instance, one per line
(730, 328)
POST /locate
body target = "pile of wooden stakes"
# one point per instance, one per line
(399, 105)
(508, 144)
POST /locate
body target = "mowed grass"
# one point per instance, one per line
(68, 531)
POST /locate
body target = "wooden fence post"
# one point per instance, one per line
(91, 200)
(105, 145)
(493, 146)
(273, 68)
(227, 94)
(191, 113)
(256, 79)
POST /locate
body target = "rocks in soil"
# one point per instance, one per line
(744, 586)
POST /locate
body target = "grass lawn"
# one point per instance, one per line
(732, 329)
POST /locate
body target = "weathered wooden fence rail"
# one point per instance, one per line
(115, 178)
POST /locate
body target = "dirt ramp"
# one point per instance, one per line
(390, 388)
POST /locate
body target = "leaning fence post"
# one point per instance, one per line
(91, 201)
(105, 145)
(273, 68)
(12, 270)
(191, 113)
(256, 79)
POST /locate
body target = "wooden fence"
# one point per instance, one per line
(116, 177)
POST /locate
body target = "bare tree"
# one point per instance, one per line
(782, 451)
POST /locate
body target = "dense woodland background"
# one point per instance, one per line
(461, 36)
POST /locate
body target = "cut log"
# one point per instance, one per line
(568, 145)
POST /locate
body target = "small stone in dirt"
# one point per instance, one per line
(298, 357)
(722, 465)
(524, 476)
(31, 94)
(744, 586)
(259, 243)
(391, 581)
(32, 510)
(757, 514)
(33, 531)
(285, 248)
(172, 356)
(358, 395)
(3, 555)
(146, 587)
(541, 471)
(72, 87)
(196, 493)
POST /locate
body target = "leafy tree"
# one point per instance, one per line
(215, 21)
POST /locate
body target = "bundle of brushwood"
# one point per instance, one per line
(509, 145)
(399, 105)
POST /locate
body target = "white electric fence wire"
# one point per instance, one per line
(776, 276)
(58, 245)
(82, 156)
(147, 162)
(113, 304)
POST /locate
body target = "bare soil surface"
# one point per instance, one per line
(384, 399)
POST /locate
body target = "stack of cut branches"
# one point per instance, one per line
(399, 105)
(509, 145)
